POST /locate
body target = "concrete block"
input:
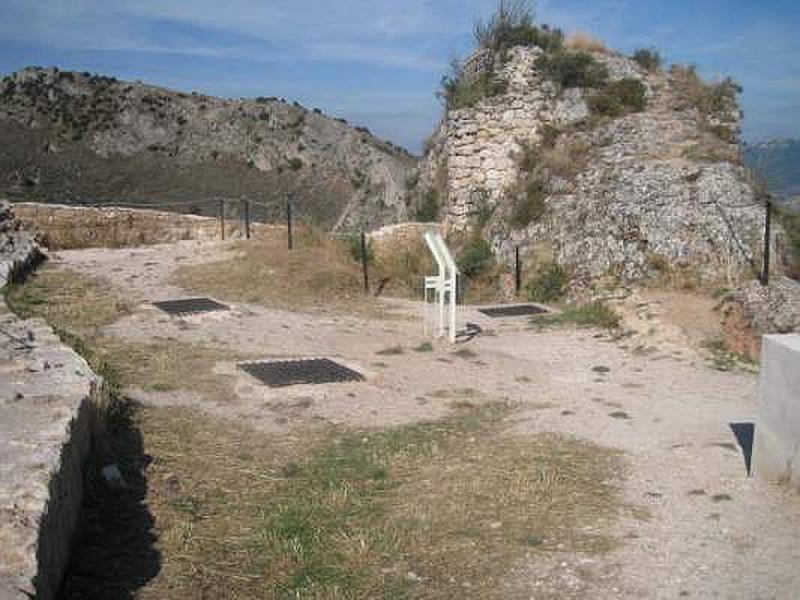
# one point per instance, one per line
(776, 448)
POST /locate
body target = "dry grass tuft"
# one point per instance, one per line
(580, 40)
(350, 514)
(68, 301)
(319, 275)
(80, 307)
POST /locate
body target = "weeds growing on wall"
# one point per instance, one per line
(619, 97)
(570, 68)
(512, 24)
(528, 202)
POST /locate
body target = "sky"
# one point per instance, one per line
(378, 63)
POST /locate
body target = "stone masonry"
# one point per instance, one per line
(645, 194)
(49, 399)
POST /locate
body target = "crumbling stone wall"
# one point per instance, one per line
(49, 399)
(64, 227)
(18, 250)
(645, 196)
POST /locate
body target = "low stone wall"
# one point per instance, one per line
(776, 448)
(400, 237)
(62, 227)
(49, 401)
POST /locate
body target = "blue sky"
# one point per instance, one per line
(378, 62)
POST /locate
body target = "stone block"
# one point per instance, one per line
(776, 447)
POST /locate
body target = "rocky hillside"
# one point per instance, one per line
(606, 165)
(81, 138)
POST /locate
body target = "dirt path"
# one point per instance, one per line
(695, 525)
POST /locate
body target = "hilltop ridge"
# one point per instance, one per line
(83, 138)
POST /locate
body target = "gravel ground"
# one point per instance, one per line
(694, 524)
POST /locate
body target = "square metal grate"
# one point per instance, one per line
(297, 372)
(520, 310)
(189, 306)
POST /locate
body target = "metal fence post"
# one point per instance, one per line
(222, 218)
(247, 219)
(364, 260)
(517, 271)
(289, 221)
(767, 238)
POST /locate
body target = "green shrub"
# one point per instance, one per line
(606, 105)
(295, 164)
(593, 314)
(647, 58)
(619, 97)
(357, 252)
(513, 24)
(549, 283)
(459, 92)
(528, 204)
(475, 257)
(429, 207)
(569, 68)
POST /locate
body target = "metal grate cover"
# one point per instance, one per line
(189, 306)
(520, 310)
(297, 372)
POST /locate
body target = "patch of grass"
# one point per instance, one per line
(424, 347)
(593, 314)
(80, 307)
(392, 351)
(317, 276)
(68, 301)
(548, 283)
(722, 359)
(349, 514)
(466, 353)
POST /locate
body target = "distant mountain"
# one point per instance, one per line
(81, 138)
(778, 162)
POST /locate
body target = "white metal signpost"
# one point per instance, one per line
(443, 285)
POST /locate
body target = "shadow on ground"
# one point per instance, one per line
(113, 554)
(744, 437)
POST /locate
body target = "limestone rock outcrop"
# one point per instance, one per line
(627, 196)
